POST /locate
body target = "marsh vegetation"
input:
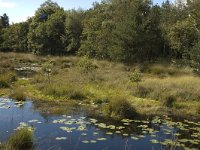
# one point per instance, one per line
(114, 89)
(124, 72)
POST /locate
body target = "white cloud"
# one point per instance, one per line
(21, 18)
(4, 4)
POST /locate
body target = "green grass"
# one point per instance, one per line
(22, 139)
(161, 88)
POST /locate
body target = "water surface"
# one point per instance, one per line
(76, 131)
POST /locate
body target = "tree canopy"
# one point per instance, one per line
(127, 31)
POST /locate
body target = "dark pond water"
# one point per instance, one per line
(78, 132)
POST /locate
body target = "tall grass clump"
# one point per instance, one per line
(120, 107)
(65, 91)
(3, 83)
(184, 88)
(6, 79)
(169, 100)
(18, 94)
(22, 139)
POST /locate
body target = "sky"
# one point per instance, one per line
(20, 10)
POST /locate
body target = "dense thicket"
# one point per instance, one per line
(128, 31)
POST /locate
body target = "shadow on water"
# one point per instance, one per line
(77, 131)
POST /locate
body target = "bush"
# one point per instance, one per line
(135, 77)
(120, 107)
(85, 65)
(21, 140)
(169, 101)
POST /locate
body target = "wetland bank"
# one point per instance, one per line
(82, 103)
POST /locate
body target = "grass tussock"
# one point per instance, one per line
(65, 91)
(6, 79)
(165, 70)
(21, 140)
(168, 101)
(183, 88)
(18, 94)
(120, 107)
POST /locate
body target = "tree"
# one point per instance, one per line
(135, 30)
(182, 37)
(97, 30)
(73, 30)
(4, 21)
(46, 29)
(15, 37)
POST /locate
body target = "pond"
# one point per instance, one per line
(77, 131)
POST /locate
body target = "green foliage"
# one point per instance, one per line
(86, 65)
(73, 30)
(21, 139)
(195, 57)
(128, 31)
(15, 37)
(4, 21)
(97, 32)
(45, 34)
(182, 37)
(135, 77)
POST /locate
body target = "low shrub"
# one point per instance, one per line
(85, 65)
(22, 139)
(135, 77)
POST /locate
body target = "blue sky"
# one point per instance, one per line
(19, 10)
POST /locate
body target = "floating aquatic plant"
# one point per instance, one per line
(61, 138)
